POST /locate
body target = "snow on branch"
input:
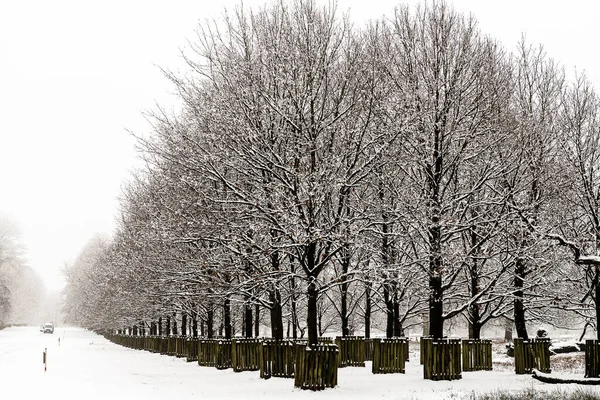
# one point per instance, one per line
(579, 259)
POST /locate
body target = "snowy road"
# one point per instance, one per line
(86, 366)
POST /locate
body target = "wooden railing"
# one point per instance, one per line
(352, 351)
(476, 355)
(277, 359)
(316, 366)
(389, 355)
(441, 359)
(192, 349)
(245, 354)
(530, 354)
(592, 359)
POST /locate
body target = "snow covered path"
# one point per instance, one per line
(86, 366)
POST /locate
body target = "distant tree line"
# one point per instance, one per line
(21, 289)
(320, 173)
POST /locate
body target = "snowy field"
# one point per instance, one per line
(86, 366)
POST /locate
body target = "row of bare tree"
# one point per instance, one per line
(412, 167)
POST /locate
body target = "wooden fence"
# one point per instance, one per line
(316, 366)
(476, 355)
(368, 349)
(277, 358)
(223, 356)
(171, 347)
(530, 354)
(441, 359)
(164, 345)
(156, 343)
(592, 359)
(153, 344)
(389, 355)
(245, 354)
(422, 348)
(149, 343)
(351, 350)
(207, 352)
(192, 349)
(214, 353)
(181, 346)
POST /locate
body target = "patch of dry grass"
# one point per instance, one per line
(530, 394)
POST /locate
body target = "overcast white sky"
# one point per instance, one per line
(74, 75)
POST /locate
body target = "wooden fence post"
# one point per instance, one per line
(351, 351)
(245, 355)
(530, 354)
(476, 355)
(277, 358)
(592, 359)
(316, 366)
(441, 359)
(389, 355)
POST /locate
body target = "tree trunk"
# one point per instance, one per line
(389, 308)
(257, 320)
(320, 318)
(344, 308)
(398, 331)
(475, 330)
(436, 296)
(175, 324)
(276, 315)
(436, 322)
(210, 322)
(433, 173)
(344, 290)
(596, 283)
(294, 305)
(294, 319)
(389, 287)
(195, 323)
(184, 324)
(311, 316)
(243, 323)
(227, 317)
(248, 320)
(368, 311)
(473, 312)
(519, 308)
(168, 326)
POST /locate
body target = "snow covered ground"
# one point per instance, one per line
(86, 366)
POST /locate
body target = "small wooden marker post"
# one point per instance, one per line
(45, 358)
